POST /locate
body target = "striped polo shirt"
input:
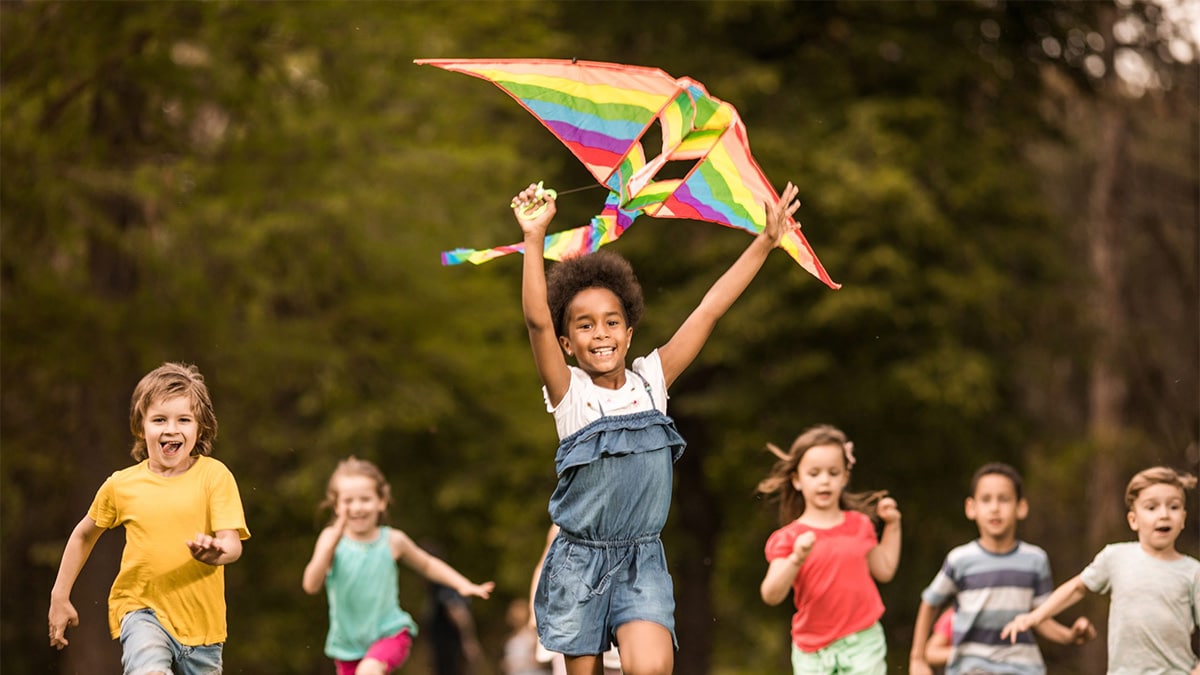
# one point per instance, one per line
(989, 590)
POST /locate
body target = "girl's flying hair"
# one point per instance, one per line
(778, 484)
(1154, 476)
(602, 269)
(166, 382)
(353, 466)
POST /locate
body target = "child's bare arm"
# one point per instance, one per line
(917, 665)
(1063, 597)
(537, 571)
(435, 569)
(782, 571)
(322, 558)
(885, 557)
(79, 547)
(937, 650)
(1079, 632)
(683, 347)
(547, 354)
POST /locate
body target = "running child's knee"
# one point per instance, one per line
(371, 667)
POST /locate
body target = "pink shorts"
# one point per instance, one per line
(392, 651)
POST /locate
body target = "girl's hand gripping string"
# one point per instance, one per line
(533, 202)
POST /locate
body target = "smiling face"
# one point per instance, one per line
(1158, 515)
(170, 429)
(995, 509)
(597, 335)
(820, 478)
(359, 501)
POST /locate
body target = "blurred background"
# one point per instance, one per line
(1007, 190)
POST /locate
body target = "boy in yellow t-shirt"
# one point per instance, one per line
(183, 522)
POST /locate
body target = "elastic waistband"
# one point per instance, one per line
(610, 543)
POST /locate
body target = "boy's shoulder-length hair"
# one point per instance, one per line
(168, 381)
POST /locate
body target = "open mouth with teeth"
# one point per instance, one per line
(171, 447)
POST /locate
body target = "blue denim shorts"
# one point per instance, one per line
(589, 588)
(147, 647)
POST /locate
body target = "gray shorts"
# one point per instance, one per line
(590, 588)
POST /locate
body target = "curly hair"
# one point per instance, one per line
(166, 382)
(1154, 476)
(602, 269)
(778, 484)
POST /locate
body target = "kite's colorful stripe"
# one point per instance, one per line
(601, 111)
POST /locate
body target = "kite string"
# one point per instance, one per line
(580, 189)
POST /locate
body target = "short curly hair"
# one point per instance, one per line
(602, 269)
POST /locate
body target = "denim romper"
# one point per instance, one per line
(607, 567)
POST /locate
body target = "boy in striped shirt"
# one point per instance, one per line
(990, 581)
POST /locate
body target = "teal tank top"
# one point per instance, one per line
(364, 603)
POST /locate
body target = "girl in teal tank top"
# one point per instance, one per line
(355, 561)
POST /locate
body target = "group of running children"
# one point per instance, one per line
(604, 578)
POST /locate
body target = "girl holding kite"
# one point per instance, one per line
(605, 578)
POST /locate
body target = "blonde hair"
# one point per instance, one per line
(166, 382)
(1155, 476)
(778, 483)
(353, 466)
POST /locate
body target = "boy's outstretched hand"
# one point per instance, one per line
(779, 213)
(1082, 631)
(207, 549)
(1019, 624)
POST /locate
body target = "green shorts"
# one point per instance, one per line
(861, 653)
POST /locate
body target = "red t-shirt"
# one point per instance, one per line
(834, 592)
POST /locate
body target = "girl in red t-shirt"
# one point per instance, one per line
(827, 554)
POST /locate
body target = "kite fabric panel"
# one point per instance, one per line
(601, 112)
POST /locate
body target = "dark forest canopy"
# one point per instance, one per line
(1007, 191)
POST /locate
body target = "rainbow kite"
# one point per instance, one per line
(601, 111)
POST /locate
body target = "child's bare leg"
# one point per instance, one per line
(371, 667)
(585, 665)
(646, 648)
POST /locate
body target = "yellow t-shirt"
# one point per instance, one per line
(160, 516)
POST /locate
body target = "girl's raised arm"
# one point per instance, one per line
(683, 347)
(885, 557)
(547, 354)
(322, 558)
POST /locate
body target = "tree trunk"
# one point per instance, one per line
(1107, 388)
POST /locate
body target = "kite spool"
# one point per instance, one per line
(540, 196)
